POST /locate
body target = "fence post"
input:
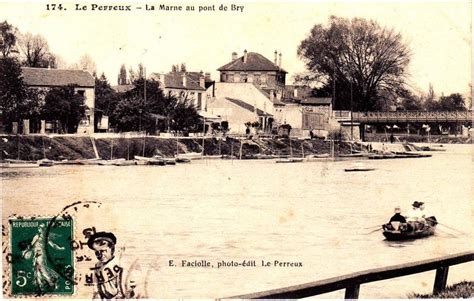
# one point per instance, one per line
(440, 279)
(352, 292)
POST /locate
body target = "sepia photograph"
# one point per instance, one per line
(236, 149)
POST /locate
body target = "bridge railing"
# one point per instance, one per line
(352, 282)
(418, 116)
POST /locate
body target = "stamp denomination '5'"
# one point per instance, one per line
(42, 259)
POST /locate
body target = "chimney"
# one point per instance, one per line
(276, 54)
(234, 56)
(207, 76)
(279, 63)
(245, 56)
(202, 81)
(184, 79)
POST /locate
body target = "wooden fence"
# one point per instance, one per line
(352, 282)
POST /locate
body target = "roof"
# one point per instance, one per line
(175, 80)
(247, 106)
(56, 77)
(255, 62)
(316, 101)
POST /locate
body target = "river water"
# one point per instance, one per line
(313, 213)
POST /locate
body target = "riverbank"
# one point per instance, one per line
(464, 289)
(81, 147)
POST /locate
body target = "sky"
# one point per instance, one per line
(438, 34)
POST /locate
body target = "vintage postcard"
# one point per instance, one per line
(236, 149)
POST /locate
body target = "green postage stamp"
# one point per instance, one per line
(42, 261)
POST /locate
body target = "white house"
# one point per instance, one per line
(83, 82)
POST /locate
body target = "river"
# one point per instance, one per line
(313, 213)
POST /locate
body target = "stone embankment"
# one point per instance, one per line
(35, 147)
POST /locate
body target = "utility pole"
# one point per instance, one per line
(352, 130)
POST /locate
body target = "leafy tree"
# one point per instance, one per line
(183, 115)
(409, 101)
(66, 106)
(453, 102)
(106, 99)
(133, 112)
(130, 114)
(357, 51)
(12, 90)
(7, 38)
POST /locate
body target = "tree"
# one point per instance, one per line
(453, 102)
(409, 101)
(356, 51)
(12, 90)
(106, 98)
(85, 63)
(430, 103)
(64, 105)
(134, 113)
(7, 38)
(130, 114)
(35, 50)
(122, 76)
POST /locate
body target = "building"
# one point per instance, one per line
(189, 86)
(83, 82)
(254, 68)
(241, 103)
(249, 91)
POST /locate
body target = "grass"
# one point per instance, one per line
(464, 289)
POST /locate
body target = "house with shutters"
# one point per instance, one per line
(82, 81)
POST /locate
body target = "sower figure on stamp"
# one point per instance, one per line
(108, 273)
(45, 278)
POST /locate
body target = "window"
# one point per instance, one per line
(199, 101)
(81, 92)
(263, 78)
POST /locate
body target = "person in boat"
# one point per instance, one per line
(398, 221)
(416, 216)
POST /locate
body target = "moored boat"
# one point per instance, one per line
(190, 156)
(19, 164)
(45, 163)
(182, 160)
(289, 160)
(407, 231)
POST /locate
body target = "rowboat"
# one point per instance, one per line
(317, 157)
(182, 160)
(125, 163)
(149, 161)
(18, 164)
(408, 231)
(45, 163)
(190, 156)
(358, 169)
(289, 160)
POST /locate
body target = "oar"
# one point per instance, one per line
(373, 227)
(446, 226)
(378, 229)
